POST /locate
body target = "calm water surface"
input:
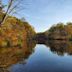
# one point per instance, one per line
(55, 56)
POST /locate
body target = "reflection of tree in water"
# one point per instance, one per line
(60, 47)
(3, 70)
(10, 56)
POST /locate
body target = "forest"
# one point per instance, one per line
(60, 31)
(15, 32)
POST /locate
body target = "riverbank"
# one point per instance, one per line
(15, 32)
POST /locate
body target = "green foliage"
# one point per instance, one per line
(60, 31)
(60, 25)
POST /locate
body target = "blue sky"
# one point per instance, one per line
(42, 14)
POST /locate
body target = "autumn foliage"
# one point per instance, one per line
(14, 32)
(60, 31)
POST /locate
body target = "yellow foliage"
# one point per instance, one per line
(14, 30)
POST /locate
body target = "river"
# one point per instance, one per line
(55, 56)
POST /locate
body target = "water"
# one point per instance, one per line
(43, 59)
(54, 56)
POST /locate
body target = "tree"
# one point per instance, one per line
(12, 7)
(1, 10)
(60, 26)
(23, 19)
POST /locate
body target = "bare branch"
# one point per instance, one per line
(5, 16)
(12, 5)
(15, 6)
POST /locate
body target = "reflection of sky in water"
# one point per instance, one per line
(43, 60)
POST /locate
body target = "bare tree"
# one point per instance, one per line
(12, 6)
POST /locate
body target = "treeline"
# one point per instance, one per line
(14, 32)
(60, 31)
